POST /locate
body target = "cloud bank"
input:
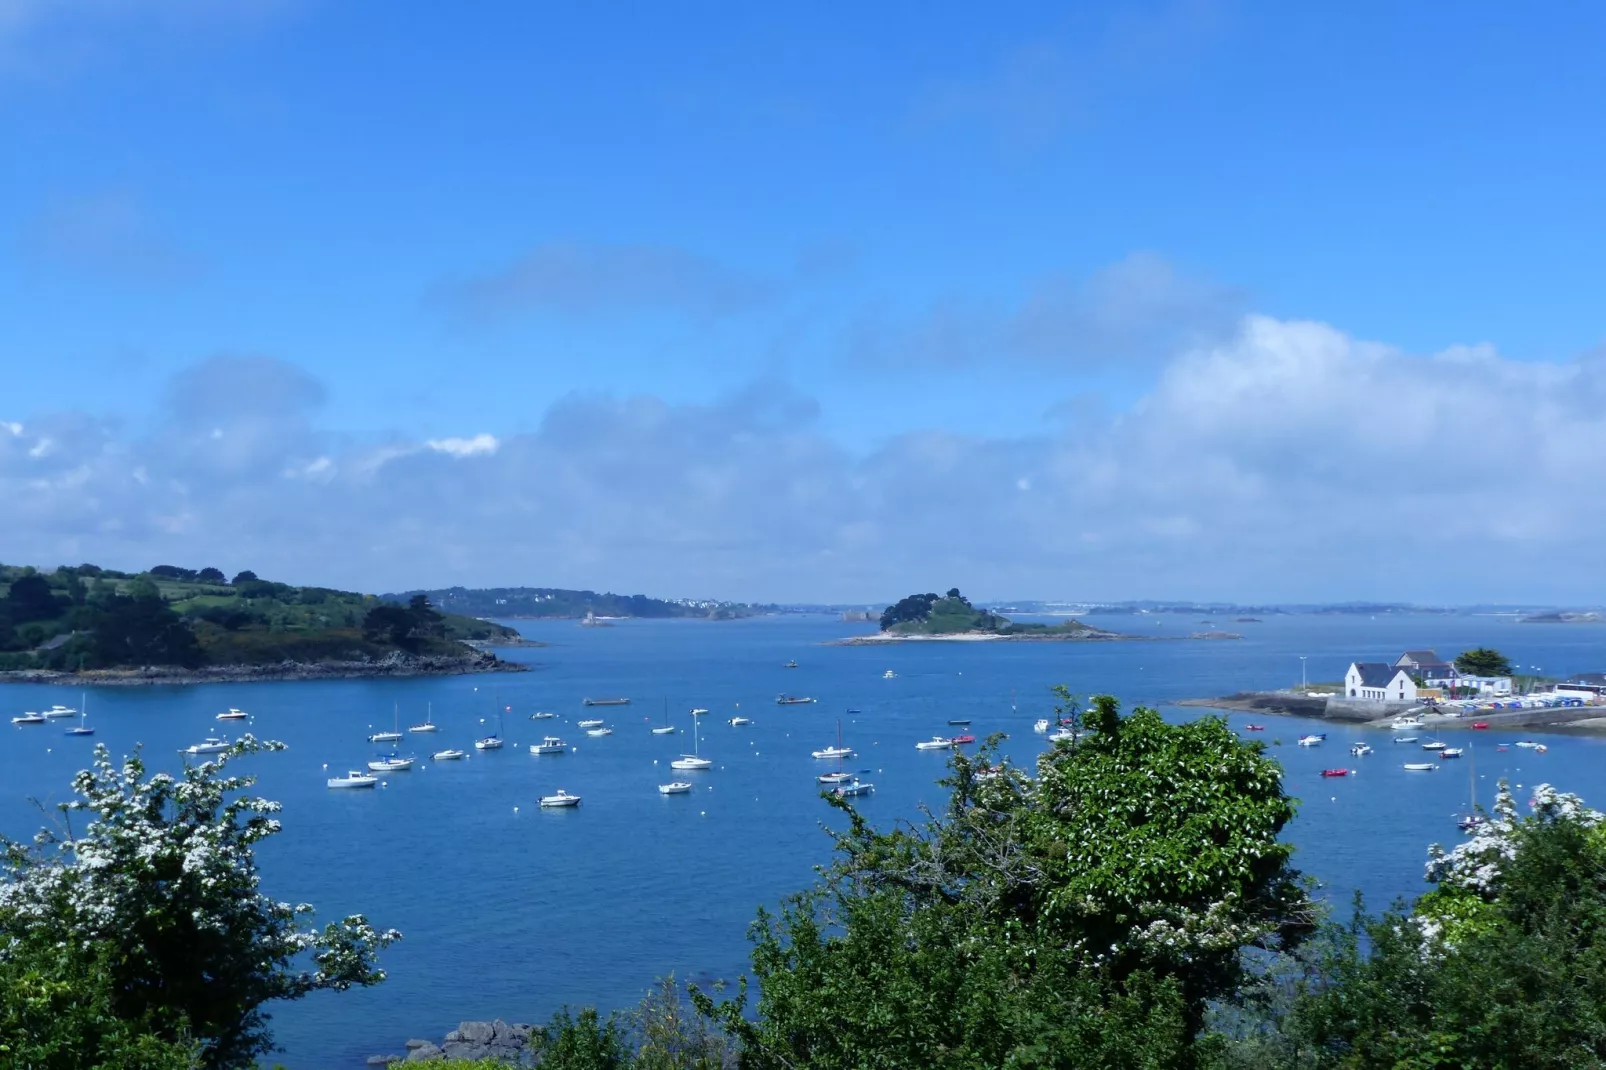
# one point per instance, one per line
(1288, 461)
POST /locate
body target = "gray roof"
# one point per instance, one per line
(1375, 673)
(1421, 657)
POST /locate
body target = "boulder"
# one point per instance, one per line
(522, 1031)
(427, 1053)
(459, 1049)
(415, 1043)
(384, 1060)
(500, 1032)
(477, 1032)
(454, 1035)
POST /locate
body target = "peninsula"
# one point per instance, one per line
(177, 625)
(951, 617)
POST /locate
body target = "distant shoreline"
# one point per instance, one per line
(396, 666)
(883, 638)
(1585, 720)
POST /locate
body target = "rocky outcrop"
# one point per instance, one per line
(394, 664)
(498, 1040)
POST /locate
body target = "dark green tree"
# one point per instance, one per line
(142, 631)
(389, 623)
(244, 577)
(211, 575)
(1483, 661)
(31, 598)
(583, 1042)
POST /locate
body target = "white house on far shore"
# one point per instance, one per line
(1377, 681)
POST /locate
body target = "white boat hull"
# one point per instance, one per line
(353, 782)
(679, 787)
(447, 755)
(691, 763)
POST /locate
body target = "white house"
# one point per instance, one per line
(1376, 681)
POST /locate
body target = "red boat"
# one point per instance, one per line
(966, 738)
(1335, 772)
(1254, 728)
(1480, 724)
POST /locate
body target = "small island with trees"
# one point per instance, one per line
(951, 616)
(174, 625)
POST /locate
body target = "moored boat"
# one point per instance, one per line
(209, 745)
(59, 710)
(393, 764)
(792, 700)
(232, 714)
(542, 715)
(604, 731)
(29, 718)
(1361, 750)
(889, 675)
(1420, 767)
(853, 787)
(737, 722)
(1313, 740)
(833, 752)
(448, 755)
(604, 702)
(559, 801)
(1434, 744)
(963, 738)
(674, 787)
(1254, 728)
(1335, 772)
(694, 760)
(354, 779)
(837, 777)
(1042, 725)
(1480, 725)
(428, 724)
(1405, 723)
(589, 723)
(1406, 739)
(549, 745)
(935, 743)
(1450, 752)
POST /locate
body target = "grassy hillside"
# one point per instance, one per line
(86, 617)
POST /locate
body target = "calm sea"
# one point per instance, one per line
(510, 911)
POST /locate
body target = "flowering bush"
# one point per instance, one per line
(161, 884)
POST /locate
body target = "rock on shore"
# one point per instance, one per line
(391, 665)
(498, 1040)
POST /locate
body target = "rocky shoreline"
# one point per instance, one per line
(504, 1042)
(1584, 720)
(392, 665)
(883, 638)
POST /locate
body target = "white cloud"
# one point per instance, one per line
(1291, 461)
(479, 445)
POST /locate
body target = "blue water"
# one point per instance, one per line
(510, 911)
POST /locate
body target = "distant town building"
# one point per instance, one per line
(1376, 681)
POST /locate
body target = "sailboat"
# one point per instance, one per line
(695, 759)
(82, 727)
(838, 751)
(393, 736)
(839, 776)
(1472, 819)
(665, 729)
(429, 724)
(494, 740)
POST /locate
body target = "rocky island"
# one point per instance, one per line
(951, 617)
(172, 625)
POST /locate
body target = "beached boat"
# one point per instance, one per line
(209, 745)
(590, 722)
(560, 801)
(448, 755)
(232, 714)
(354, 779)
(604, 702)
(935, 743)
(1421, 767)
(29, 718)
(674, 787)
(393, 764)
(792, 700)
(549, 745)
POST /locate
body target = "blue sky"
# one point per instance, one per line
(1116, 301)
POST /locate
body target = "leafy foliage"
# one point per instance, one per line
(1084, 916)
(161, 887)
(1483, 661)
(930, 614)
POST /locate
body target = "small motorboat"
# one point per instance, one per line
(1480, 725)
(232, 714)
(1062, 735)
(604, 731)
(1450, 752)
(961, 721)
(542, 715)
(1254, 728)
(1361, 750)
(965, 738)
(834, 778)
(1540, 748)
(1335, 772)
(1420, 767)
(935, 743)
(833, 752)
(447, 755)
(589, 723)
(354, 779)
(664, 730)
(698, 711)
(59, 710)
(855, 787)
(790, 665)
(1405, 723)
(29, 718)
(737, 722)
(1470, 822)
(1042, 725)
(792, 700)
(1406, 739)
(674, 787)
(385, 737)
(889, 675)
(1434, 744)
(489, 743)
(1312, 740)
(560, 801)
(1527, 744)
(393, 764)
(549, 745)
(209, 745)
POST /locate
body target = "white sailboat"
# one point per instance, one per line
(393, 736)
(665, 729)
(429, 724)
(82, 727)
(695, 759)
(494, 740)
(447, 755)
(393, 764)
